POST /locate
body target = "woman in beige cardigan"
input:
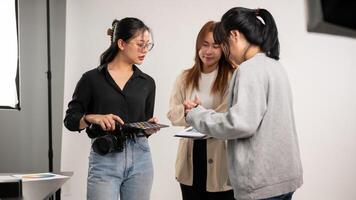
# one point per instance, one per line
(201, 167)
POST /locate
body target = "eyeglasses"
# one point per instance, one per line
(148, 46)
(145, 46)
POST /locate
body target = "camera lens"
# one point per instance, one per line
(104, 145)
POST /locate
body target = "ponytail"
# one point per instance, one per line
(110, 53)
(270, 43)
(257, 25)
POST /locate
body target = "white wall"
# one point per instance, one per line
(321, 70)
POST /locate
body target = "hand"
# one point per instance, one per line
(197, 100)
(153, 120)
(152, 131)
(188, 104)
(107, 122)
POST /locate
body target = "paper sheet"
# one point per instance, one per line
(191, 133)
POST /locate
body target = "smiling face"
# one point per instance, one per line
(209, 52)
(136, 48)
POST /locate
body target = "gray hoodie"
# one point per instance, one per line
(263, 152)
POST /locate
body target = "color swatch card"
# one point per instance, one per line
(146, 125)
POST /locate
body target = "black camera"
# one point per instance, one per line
(111, 141)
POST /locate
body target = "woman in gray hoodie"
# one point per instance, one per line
(263, 152)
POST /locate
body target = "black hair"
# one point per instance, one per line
(257, 25)
(124, 29)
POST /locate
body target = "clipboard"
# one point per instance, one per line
(192, 133)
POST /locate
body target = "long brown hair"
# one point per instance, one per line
(194, 73)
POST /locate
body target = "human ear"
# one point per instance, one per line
(121, 44)
(234, 34)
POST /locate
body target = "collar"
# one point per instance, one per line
(136, 71)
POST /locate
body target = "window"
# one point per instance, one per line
(9, 69)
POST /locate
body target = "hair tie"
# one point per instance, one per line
(257, 13)
(261, 20)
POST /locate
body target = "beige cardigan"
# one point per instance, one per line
(217, 174)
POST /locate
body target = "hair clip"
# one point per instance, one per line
(109, 32)
(114, 30)
(257, 13)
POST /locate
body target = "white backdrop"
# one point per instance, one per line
(321, 69)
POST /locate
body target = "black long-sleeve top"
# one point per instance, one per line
(97, 93)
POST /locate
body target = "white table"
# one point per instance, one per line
(41, 189)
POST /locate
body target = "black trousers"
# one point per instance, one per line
(189, 193)
(198, 190)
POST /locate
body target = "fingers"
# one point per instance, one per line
(152, 131)
(189, 104)
(113, 119)
(153, 120)
(102, 125)
(106, 122)
(197, 100)
(112, 123)
(118, 119)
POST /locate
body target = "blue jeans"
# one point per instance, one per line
(287, 196)
(128, 174)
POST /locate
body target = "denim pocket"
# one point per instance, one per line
(142, 143)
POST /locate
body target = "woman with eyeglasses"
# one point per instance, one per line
(201, 167)
(263, 152)
(118, 92)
